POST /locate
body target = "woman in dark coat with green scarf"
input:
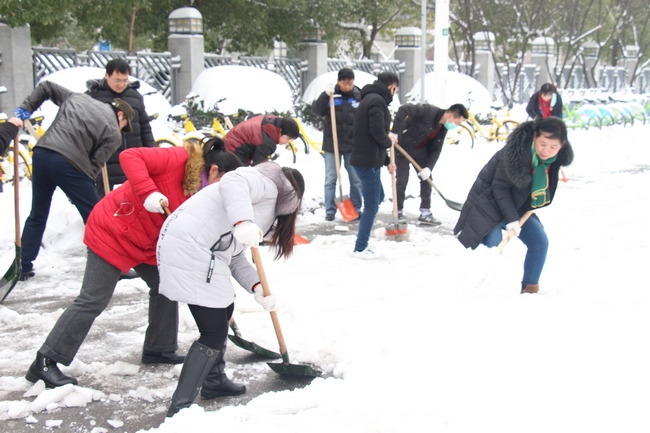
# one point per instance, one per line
(520, 177)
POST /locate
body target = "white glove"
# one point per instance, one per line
(425, 173)
(248, 233)
(152, 203)
(393, 137)
(329, 88)
(513, 226)
(267, 302)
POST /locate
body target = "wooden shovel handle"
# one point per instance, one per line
(267, 292)
(31, 130)
(17, 188)
(107, 186)
(511, 234)
(335, 139)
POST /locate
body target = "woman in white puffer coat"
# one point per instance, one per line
(201, 246)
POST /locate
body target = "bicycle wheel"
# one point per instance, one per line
(165, 142)
(463, 135)
(25, 164)
(504, 130)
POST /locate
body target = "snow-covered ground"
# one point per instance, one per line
(428, 337)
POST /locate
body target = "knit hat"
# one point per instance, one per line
(123, 106)
(346, 74)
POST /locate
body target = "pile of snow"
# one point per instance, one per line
(320, 83)
(75, 79)
(461, 89)
(235, 87)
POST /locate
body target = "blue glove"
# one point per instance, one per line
(21, 113)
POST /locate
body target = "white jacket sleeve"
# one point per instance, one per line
(244, 272)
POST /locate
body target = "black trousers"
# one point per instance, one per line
(402, 177)
(213, 324)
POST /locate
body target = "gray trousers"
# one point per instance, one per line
(100, 279)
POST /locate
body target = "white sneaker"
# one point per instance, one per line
(366, 254)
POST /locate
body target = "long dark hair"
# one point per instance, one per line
(215, 153)
(282, 238)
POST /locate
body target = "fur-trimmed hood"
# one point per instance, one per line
(517, 154)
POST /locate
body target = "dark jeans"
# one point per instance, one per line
(213, 324)
(534, 237)
(402, 178)
(373, 195)
(51, 170)
(100, 279)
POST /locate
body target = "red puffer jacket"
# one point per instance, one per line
(120, 230)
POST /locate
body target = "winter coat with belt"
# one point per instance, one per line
(197, 252)
(85, 131)
(345, 106)
(254, 139)
(120, 230)
(141, 136)
(414, 125)
(371, 127)
(504, 185)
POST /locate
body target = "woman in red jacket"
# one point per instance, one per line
(121, 233)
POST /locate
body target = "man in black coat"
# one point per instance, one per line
(346, 101)
(421, 131)
(115, 84)
(369, 152)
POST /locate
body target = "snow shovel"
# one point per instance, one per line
(398, 227)
(285, 367)
(511, 234)
(11, 277)
(343, 203)
(248, 345)
(452, 204)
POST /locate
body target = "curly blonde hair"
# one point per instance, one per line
(193, 167)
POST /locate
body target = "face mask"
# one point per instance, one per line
(450, 125)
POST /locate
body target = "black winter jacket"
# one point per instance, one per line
(504, 185)
(534, 110)
(371, 127)
(414, 123)
(141, 135)
(345, 105)
(8, 132)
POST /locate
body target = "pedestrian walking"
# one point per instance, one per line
(545, 102)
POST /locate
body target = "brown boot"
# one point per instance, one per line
(530, 288)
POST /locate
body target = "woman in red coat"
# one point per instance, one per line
(121, 233)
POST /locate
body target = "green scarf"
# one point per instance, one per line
(540, 194)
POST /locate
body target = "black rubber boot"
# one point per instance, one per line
(217, 383)
(199, 361)
(43, 368)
